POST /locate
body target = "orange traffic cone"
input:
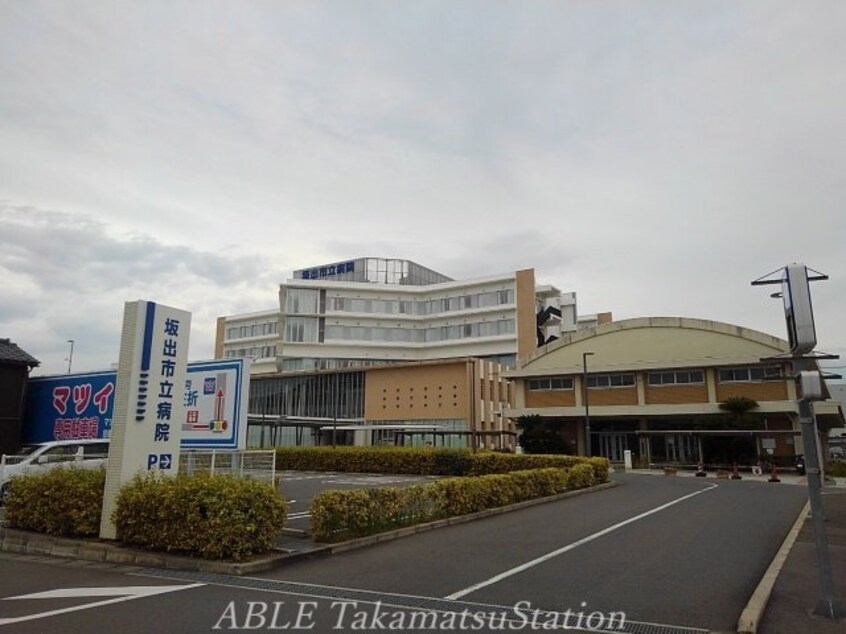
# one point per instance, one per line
(774, 475)
(735, 475)
(700, 471)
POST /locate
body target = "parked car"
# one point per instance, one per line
(86, 454)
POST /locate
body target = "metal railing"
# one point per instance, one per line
(254, 464)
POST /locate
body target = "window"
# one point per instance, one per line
(550, 384)
(301, 329)
(91, 451)
(750, 374)
(408, 308)
(610, 380)
(301, 301)
(695, 377)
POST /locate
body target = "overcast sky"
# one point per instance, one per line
(653, 156)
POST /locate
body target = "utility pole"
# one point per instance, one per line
(70, 356)
(801, 333)
(588, 446)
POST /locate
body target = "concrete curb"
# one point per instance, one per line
(754, 610)
(25, 542)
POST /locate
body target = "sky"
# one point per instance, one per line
(655, 157)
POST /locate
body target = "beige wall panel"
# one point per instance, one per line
(603, 318)
(218, 337)
(673, 394)
(425, 392)
(655, 342)
(558, 398)
(527, 336)
(764, 391)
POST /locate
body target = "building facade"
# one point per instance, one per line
(670, 390)
(454, 402)
(15, 366)
(376, 311)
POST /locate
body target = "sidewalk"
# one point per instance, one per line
(797, 588)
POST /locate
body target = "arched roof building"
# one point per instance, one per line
(655, 385)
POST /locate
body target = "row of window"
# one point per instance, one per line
(308, 302)
(311, 363)
(256, 352)
(767, 373)
(692, 377)
(421, 335)
(309, 330)
(684, 377)
(256, 330)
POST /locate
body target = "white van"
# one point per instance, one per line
(89, 453)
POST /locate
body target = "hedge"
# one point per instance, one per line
(424, 461)
(65, 501)
(340, 515)
(213, 517)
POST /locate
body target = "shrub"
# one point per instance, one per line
(581, 476)
(421, 461)
(339, 515)
(836, 469)
(65, 501)
(213, 517)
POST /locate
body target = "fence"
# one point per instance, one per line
(259, 465)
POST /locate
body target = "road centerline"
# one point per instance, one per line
(560, 551)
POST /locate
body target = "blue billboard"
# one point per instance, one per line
(74, 406)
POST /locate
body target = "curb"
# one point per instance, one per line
(25, 542)
(754, 610)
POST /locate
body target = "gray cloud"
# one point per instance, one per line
(654, 157)
(68, 278)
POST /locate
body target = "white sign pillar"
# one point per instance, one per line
(149, 398)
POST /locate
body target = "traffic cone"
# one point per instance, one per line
(735, 475)
(700, 471)
(774, 475)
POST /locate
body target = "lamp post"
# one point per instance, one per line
(70, 356)
(588, 448)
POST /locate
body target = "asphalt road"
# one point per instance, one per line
(678, 552)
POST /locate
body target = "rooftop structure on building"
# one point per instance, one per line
(376, 311)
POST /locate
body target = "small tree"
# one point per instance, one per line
(541, 435)
(740, 408)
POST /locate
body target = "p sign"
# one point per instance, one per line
(798, 312)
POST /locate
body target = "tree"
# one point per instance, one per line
(541, 435)
(740, 408)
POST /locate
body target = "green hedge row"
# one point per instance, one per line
(341, 515)
(213, 517)
(423, 461)
(66, 502)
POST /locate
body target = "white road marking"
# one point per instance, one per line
(123, 593)
(296, 516)
(569, 547)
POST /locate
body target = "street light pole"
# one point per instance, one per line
(70, 356)
(588, 447)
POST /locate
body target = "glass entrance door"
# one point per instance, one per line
(682, 448)
(612, 446)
